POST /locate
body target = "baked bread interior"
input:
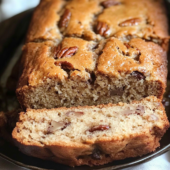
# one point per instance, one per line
(92, 135)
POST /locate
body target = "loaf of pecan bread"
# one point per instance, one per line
(90, 52)
(92, 135)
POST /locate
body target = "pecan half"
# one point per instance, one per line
(130, 22)
(64, 65)
(65, 52)
(102, 29)
(65, 18)
(99, 128)
(108, 3)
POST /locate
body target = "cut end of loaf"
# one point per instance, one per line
(96, 91)
(92, 135)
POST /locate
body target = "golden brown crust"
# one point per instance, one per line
(85, 14)
(151, 60)
(108, 149)
(134, 146)
(43, 24)
(139, 14)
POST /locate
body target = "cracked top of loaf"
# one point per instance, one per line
(97, 19)
(77, 38)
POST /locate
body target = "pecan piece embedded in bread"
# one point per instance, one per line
(99, 128)
(102, 29)
(130, 22)
(65, 18)
(65, 52)
(137, 126)
(54, 126)
(64, 65)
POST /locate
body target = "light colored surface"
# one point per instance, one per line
(15, 6)
(160, 163)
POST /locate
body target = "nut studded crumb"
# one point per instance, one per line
(92, 135)
(84, 52)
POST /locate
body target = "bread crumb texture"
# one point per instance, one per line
(92, 135)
